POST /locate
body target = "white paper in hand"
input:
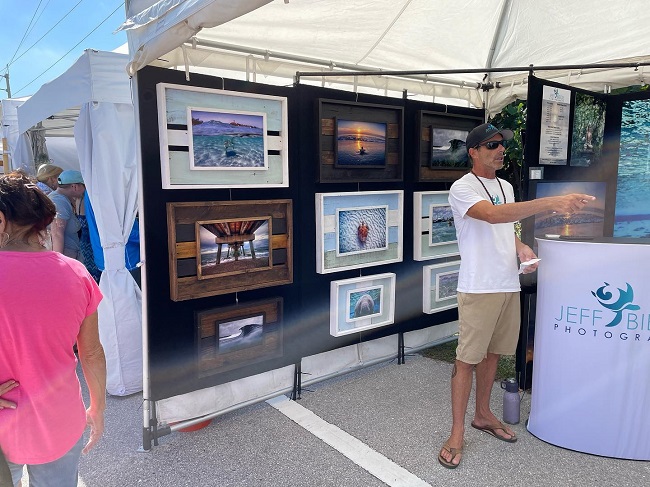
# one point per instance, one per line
(523, 265)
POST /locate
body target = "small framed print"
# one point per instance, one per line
(361, 303)
(434, 232)
(355, 230)
(439, 286)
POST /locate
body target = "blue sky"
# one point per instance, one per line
(29, 68)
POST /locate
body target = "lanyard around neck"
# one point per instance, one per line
(486, 190)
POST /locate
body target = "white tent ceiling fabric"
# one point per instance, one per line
(400, 35)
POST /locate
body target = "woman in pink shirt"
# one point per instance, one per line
(47, 303)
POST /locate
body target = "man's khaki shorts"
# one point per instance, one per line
(488, 323)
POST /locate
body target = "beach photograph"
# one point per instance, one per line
(448, 148)
(362, 230)
(442, 229)
(224, 139)
(360, 144)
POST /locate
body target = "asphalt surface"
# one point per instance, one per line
(400, 411)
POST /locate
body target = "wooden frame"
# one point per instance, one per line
(433, 239)
(361, 303)
(177, 151)
(236, 336)
(439, 283)
(367, 226)
(189, 280)
(330, 112)
(442, 145)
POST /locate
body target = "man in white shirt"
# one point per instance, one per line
(484, 212)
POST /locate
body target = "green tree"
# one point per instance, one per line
(513, 117)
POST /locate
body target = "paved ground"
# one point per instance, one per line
(399, 411)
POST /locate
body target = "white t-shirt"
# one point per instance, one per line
(488, 254)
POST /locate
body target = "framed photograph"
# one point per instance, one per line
(434, 232)
(448, 148)
(355, 230)
(442, 151)
(361, 303)
(588, 222)
(359, 142)
(228, 247)
(439, 286)
(220, 247)
(588, 129)
(236, 336)
(221, 139)
(224, 140)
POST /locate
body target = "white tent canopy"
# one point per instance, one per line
(280, 37)
(105, 138)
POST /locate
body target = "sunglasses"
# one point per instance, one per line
(493, 144)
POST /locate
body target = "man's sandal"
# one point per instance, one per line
(454, 453)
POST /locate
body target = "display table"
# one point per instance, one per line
(591, 364)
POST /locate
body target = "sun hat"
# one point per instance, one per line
(46, 171)
(70, 177)
(484, 132)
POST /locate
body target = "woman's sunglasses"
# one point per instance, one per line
(493, 144)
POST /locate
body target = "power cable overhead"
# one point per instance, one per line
(26, 31)
(72, 48)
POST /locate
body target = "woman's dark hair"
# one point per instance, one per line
(23, 204)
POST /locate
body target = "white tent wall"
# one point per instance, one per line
(18, 144)
(105, 139)
(407, 35)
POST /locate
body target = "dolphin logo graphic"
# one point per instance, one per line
(623, 302)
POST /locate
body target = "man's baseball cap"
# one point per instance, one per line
(70, 177)
(484, 132)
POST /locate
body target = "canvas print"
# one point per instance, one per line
(361, 230)
(233, 246)
(361, 303)
(442, 230)
(588, 222)
(448, 148)
(355, 230)
(360, 144)
(439, 286)
(364, 303)
(233, 337)
(434, 232)
(226, 139)
(632, 211)
(588, 129)
(221, 139)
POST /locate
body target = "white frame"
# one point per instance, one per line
(340, 303)
(190, 135)
(423, 248)
(431, 300)
(327, 259)
(277, 173)
(337, 231)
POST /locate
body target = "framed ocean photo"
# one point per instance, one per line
(226, 140)
(439, 286)
(434, 232)
(358, 229)
(222, 247)
(212, 138)
(361, 303)
(233, 337)
(448, 148)
(360, 144)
